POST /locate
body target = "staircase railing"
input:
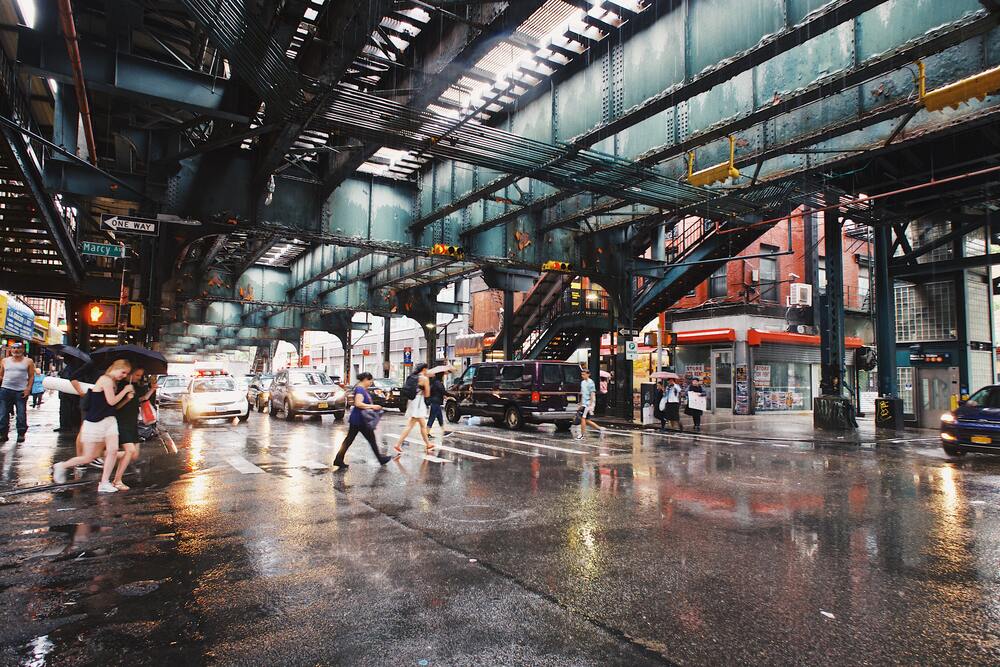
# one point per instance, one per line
(18, 109)
(592, 302)
(680, 241)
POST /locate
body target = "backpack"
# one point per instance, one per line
(409, 390)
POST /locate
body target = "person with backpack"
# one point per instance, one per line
(435, 402)
(363, 419)
(416, 390)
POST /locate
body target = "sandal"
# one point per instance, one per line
(398, 449)
(121, 487)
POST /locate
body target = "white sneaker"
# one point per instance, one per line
(579, 437)
(59, 473)
(106, 487)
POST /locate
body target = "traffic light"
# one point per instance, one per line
(716, 173)
(101, 315)
(556, 265)
(445, 250)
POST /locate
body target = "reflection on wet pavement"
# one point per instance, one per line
(510, 548)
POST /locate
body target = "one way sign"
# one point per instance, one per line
(127, 224)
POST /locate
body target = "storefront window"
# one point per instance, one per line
(782, 386)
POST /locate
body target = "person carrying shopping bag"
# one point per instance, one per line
(672, 396)
(696, 403)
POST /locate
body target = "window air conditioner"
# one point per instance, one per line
(800, 294)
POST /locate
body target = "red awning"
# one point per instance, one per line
(706, 336)
(755, 338)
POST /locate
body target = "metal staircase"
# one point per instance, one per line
(539, 299)
(37, 251)
(577, 314)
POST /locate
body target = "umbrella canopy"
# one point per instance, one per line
(70, 352)
(664, 375)
(153, 362)
(440, 369)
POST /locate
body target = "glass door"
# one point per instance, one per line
(722, 380)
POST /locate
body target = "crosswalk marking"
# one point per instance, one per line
(522, 442)
(424, 456)
(243, 466)
(464, 452)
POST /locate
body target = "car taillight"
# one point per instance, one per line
(536, 397)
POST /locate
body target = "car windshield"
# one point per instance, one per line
(213, 384)
(385, 383)
(167, 383)
(265, 383)
(315, 377)
(988, 397)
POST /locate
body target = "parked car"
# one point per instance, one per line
(974, 426)
(214, 397)
(302, 391)
(170, 390)
(258, 394)
(385, 392)
(517, 392)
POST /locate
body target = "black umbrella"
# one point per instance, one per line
(154, 363)
(70, 353)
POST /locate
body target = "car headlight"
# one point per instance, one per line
(265, 395)
(948, 418)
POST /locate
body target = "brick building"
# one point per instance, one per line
(739, 325)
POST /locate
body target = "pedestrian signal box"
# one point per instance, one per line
(101, 315)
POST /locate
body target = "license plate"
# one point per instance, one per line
(982, 440)
(571, 399)
(222, 409)
(322, 405)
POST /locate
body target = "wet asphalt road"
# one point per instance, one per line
(509, 548)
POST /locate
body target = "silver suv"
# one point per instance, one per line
(303, 391)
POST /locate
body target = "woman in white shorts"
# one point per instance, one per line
(416, 411)
(99, 433)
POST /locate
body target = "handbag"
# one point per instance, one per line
(370, 418)
(578, 417)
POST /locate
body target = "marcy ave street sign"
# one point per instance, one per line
(129, 224)
(102, 249)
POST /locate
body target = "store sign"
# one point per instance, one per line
(17, 319)
(695, 370)
(762, 375)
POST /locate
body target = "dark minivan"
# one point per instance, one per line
(517, 392)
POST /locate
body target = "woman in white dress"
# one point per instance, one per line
(417, 411)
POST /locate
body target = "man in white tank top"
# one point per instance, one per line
(17, 373)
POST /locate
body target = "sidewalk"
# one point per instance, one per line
(785, 426)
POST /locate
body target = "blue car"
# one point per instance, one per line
(974, 426)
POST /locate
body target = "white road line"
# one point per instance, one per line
(426, 457)
(242, 465)
(522, 442)
(498, 448)
(707, 438)
(464, 452)
(585, 443)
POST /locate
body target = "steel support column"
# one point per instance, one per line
(832, 331)
(623, 367)
(430, 334)
(885, 314)
(508, 332)
(386, 343)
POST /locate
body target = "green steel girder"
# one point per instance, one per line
(115, 73)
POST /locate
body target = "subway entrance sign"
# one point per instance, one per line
(102, 249)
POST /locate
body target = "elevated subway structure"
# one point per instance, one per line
(320, 150)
